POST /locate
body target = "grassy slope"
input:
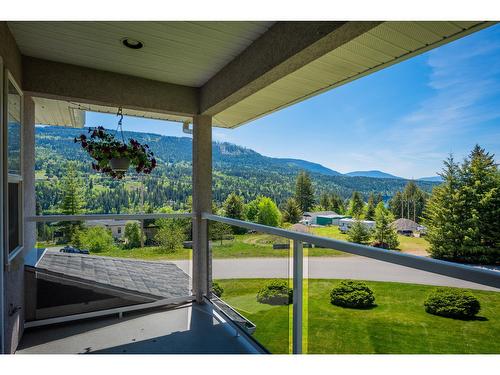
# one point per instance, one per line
(398, 324)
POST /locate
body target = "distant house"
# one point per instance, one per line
(408, 227)
(346, 224)
(117, 227)
(322, 218)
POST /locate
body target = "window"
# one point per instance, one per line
(12, 168)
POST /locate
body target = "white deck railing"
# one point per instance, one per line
(458, 271)
(454, 270)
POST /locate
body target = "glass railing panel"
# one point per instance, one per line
(92, 265)
(358, 305)
(252, 283)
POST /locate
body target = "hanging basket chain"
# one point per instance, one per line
(120, 127)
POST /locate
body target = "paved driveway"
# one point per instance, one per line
(352, 267)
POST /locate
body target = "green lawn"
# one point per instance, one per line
(406, 244)
(242, 246)
(398, 324)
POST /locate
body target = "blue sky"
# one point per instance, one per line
(402, 120)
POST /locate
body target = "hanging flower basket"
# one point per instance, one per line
(113, 157)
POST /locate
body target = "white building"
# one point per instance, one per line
(346, 224)
(117, 227)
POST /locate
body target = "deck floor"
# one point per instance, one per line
(190, 329)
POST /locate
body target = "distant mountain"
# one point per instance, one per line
(309, 166)
(235, 169)
(431, 179)
(372, 174)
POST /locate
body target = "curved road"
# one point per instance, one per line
(351, 267)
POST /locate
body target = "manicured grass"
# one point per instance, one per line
(256, 245)
(398, 323)
(413, 245)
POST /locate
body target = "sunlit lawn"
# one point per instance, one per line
(406, 244)
(398, 324)
(255, 245)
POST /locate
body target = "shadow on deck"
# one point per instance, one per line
(189, 329)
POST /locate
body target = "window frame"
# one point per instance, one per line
(17, 179)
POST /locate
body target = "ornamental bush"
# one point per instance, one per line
(275, 292)
(217, 289)
(452, 303)
(353, 294)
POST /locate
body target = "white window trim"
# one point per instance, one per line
(9, 256)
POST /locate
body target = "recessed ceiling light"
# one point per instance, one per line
(132, 43)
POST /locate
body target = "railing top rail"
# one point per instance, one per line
(90, 217)
(459, 271)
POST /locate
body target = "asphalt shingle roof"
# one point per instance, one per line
(152, 279)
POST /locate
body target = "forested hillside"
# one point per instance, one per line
(236, 169)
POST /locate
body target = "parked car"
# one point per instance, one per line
(73, 250)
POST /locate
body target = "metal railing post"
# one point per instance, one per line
(298, 296)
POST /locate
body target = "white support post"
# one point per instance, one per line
(202, 202)
(298, 275)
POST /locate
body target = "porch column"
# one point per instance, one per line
(202, 202)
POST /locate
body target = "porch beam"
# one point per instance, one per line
(202, 202)
(55, 80)
(284, 48)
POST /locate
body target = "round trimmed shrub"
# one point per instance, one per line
(217, 289)
(353, 294)
(452, 303)
(275, 292)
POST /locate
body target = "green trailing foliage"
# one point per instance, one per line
(275, 292)
(352, 294)
(452, 303)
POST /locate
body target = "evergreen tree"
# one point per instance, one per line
(370, 208)
(72, 192)
(462, 214)
(384, 233)
(378, 199)
(336, 203)
(234, 208)
(356, 205)
(269, 214)
(304, 192)
(325, 202)
(410, 203)
(72, 202)
(358, 233)
(291, 211)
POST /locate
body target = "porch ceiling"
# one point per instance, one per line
(234, 71)
(183, 53)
